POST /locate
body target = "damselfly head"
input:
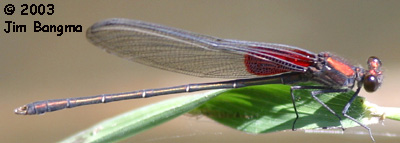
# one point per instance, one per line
(373, 77)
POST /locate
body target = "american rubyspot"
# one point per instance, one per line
(189, 53)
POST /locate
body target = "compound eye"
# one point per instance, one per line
(374, 63)
(371, 83)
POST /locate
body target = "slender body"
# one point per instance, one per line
(40, 107)
(251, 63)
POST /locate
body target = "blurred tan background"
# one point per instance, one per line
(38, 66)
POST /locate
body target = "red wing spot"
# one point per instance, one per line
(303, 53)
(296, 59)
(259, 66)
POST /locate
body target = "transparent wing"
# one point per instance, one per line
(194, 54)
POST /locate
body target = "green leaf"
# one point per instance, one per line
(268, 108)
(254, 109)
(136, 121)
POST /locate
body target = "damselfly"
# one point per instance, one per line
(251, 63)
